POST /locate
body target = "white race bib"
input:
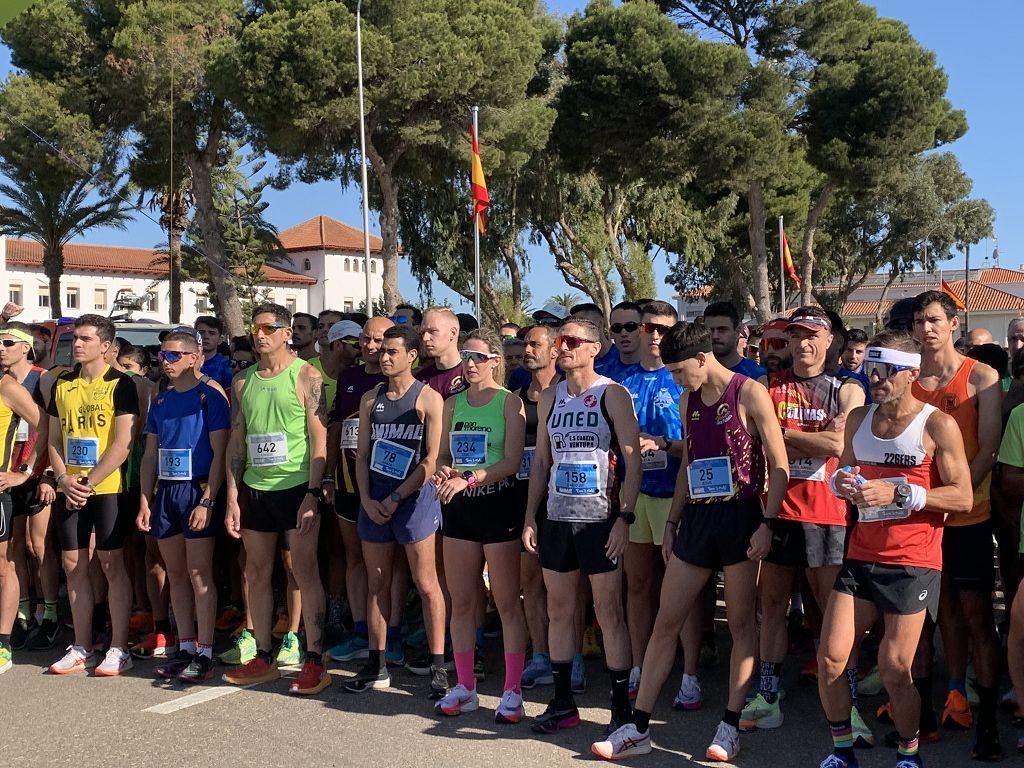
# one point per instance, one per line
(880, 514)
(175, 464)
(391, 459)
(350, 434)
(268, 450)
(526, 464)
(710, 478)
(469, 449)
(807, 469)
(651, 461)
(21, 436)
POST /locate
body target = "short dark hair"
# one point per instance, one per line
(901, 341)
(42, 330)
(322, 312)
(583, 322)
(211, 322)
(411, 339)
(359, 318)
(993, 356)
(510, 324)
(659, 309)
(629, 306)
(297, 315)
(586, 306)
(139, 354)
(722, 309)
(186, 338)
(928, 298)
(280, 314)
(856, 336)
(417, 313)
(467, 322)
(683, 341)
(241, 344)
(105, 328)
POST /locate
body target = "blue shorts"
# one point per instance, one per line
(416, 518)
(173, 504)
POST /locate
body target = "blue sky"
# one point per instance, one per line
(977, 49)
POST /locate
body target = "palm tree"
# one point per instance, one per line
(55, 216)
(566, 300)
(173, 207)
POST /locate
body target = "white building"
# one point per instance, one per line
(326, 271)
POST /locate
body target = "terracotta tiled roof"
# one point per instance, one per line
(999, 275)
(984, 298)
(325, 233)
(863, 308)
(79, 257)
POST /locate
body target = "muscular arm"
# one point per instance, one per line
(117, 451)
(314, 402)
(828, 442)
(986, 384)
(236, 451)
(431, 406)
(627, 434)
(540, 470)
(19, 400)
(218, 442)
(515, 440)
(956, 494)
(761, 414)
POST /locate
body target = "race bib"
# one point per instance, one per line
(82, 451)
(880, 514)
(807, 469)
(526, 464)
(21, 436)
(350, 434)
(391, 459)
(175, 464)
(268, 450)
(710, 478)
(469, 449)
(652, 461)
(576, 479)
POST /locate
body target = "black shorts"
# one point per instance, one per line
(806, 545)
(6, 517)
(567, 547)
(101, 515)
(900, 589)
(718, 534)
(487, 514)
(272, 511)
(24, 498)
(129, 500)
(346, 506)
(967, 557)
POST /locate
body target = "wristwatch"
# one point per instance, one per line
(25, 469)
(470, 477)
(668, 444)
(628, 517)
(901, 495)
(316, 493)
(769, 521)
(208, 503)
(396, 497)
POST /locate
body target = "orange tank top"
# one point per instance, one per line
(956, 400)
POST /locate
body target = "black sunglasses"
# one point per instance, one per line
(629, 327)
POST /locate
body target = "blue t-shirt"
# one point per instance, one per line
(520, 378)
(860, 378)
(656, 402)
(611, 365)
(748, 367)
(219, 369)
(184, 421)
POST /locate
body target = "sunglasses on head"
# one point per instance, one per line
(629, 327)
(652, 327)
(884, 370)
(572, 342)
(11, 342)
(170, 356)
(399, 319)
(267, 328)
(349, 342)
(476, 357)
(773, 344)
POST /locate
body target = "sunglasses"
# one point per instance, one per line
(241, 364)
(510, 337)
(267, 328)
(773, 344)
(652, 327)
(11, 342)
(476, 357)
(571, 342)
(884, 370)
(170, 356)
(400, 319)
(629, 327)
(349, 342)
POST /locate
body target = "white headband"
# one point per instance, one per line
(894, 356)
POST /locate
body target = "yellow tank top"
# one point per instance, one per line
(8, 431)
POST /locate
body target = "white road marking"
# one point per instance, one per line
(205, 695)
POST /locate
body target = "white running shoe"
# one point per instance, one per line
(458, 700)
(510, 709)
(77, 659)
(116, 662)
(625, 741)
(634, 682)
(726, 744)
(690, 696)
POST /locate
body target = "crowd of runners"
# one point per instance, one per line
(348, 489)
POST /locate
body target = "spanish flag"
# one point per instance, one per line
(948, 290)
(787, 259)
(478, 184)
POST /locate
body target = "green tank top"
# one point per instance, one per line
(277, 441)
(477, 435)
(330, 385)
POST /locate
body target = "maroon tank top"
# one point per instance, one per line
(717, 430)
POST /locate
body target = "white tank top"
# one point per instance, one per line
(581, 439)
(904, 450)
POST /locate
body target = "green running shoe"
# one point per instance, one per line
(288, 654)
(5, 659)
(760, 715)
(242, 652)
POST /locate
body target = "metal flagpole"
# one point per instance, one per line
(782, 269)
(476, 234)
(362, 152)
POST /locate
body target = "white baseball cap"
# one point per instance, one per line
(343, 329)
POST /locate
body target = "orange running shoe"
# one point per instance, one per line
(156, 645)
(311, 680)
(140, 623)
(884, 714)
(229, 619)
(956, 715)
(258, 670)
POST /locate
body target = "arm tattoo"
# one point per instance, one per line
(316, 398)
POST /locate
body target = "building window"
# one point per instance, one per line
(373, 267)
(347, 266)
(44, 299)
(99, 299)
(359, 265)
(150, 303)
(348, 305)
(71, 299)
(307, 264)
(203, 303)
(15, 294)
(289, 304)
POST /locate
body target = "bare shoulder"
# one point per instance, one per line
(983, 375)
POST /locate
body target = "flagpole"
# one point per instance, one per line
(476, 235)
(782, 270)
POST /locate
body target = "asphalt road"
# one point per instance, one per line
(136, 721)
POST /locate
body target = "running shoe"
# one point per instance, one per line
(422, 664)
(394, 652)
(115, 663)
(956, 715)
(625, 742)
(229, 619)
(140, 623)
(311, 680)
(909, 761)
(871, 685)
(170, 670)
(988, 748)
(199, 670)
(538, 671)
(557, 717)
(884, 714)
(590, 648)
(578, 679)
(835, 761)
(242, 651)
(438, 683)
(257, 670)
(5, 659)
(77, 659)
(368, 678)
(355, 647)
(156, 645)
(761, 715)
(726, 744)
(690, 696)
(44, 637)
(634, 683)
(282, 627)
(863, 738)
(288, 654)
(458, 700)
(21, 630)
(809, 672)
(510, 709)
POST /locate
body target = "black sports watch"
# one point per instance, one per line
(628, 517)
(208, 503)
(316, 493)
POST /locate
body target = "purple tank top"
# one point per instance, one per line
(716, 430)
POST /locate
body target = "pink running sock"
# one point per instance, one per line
(514, 663)
(464, 669)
